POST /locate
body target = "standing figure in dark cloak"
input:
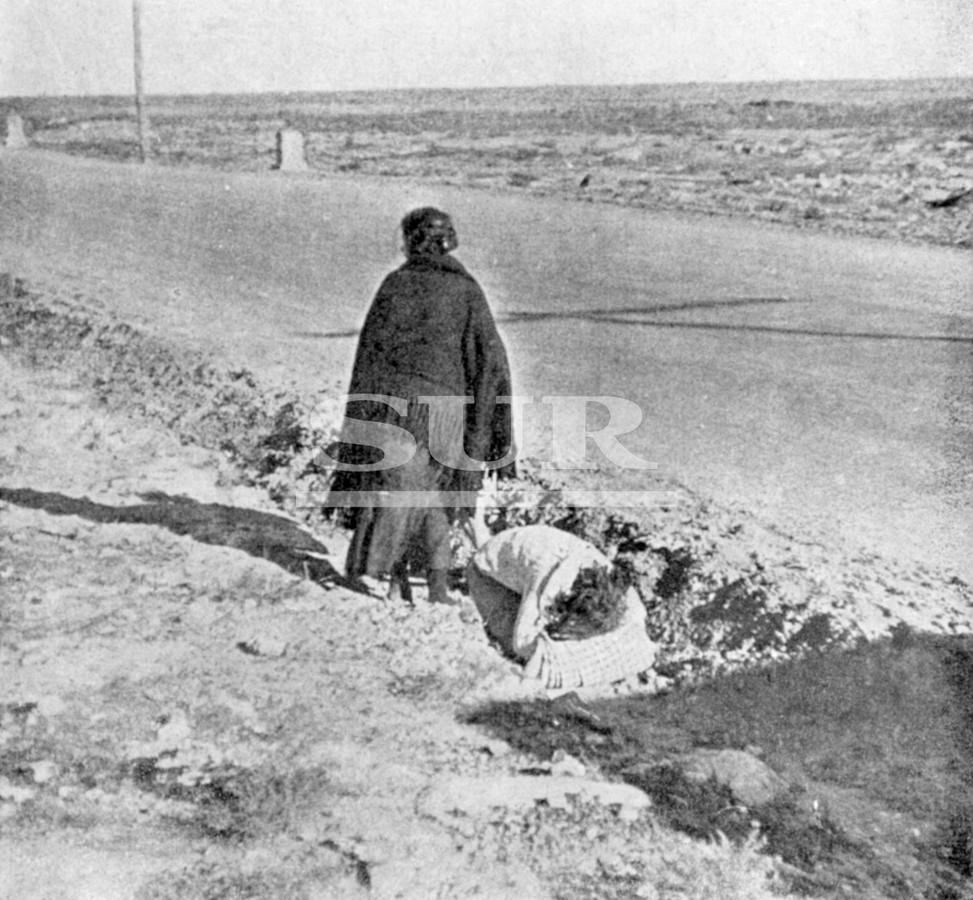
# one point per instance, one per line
(428, 336)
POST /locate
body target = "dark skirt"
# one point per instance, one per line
(404, 515)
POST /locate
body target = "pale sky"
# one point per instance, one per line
(200, 46)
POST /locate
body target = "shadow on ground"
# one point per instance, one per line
(876, 743)
(263, 535)
(646, 316)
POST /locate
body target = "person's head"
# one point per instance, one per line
(428, 231)
(594, 605)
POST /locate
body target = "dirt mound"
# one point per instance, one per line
(131, 371)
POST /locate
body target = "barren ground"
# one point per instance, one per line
(182, 717)
(192, 707)
(888, 159)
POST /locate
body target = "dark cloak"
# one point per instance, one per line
(429, 332)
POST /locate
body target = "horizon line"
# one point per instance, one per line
(489, 88)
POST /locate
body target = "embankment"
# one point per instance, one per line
(725, 590)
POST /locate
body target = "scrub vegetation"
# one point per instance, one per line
(891, 159)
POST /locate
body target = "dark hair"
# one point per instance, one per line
(594, 605)
(428, 230)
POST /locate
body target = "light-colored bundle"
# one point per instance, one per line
(602, 659)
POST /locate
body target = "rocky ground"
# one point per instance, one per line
(917, 187)
(184, 716)
(193, 706)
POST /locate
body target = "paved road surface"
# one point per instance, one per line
(823, 382)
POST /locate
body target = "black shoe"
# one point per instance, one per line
(364, 584)
(400, 590)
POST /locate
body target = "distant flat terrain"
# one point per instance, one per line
(823, 382)
(890, 159)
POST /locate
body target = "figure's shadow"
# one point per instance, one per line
(263, 535)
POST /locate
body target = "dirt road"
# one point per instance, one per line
(824, 383)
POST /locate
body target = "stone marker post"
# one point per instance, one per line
(15, 139)
(290, 151)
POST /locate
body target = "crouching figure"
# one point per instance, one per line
(557, 604)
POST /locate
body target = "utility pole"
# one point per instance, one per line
(140, 112)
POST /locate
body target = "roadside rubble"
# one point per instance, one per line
(167, 682)
(161, 760)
